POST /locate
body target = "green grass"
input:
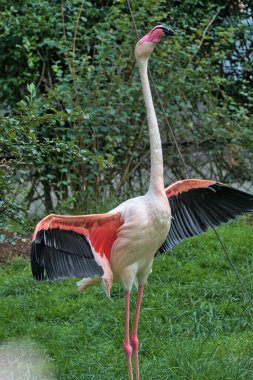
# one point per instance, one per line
(195, 323)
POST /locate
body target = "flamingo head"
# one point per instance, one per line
(146, 44)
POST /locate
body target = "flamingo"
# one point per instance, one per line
(121, 245)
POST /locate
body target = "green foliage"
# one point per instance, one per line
(79, 55)
(195, 320)
(34, 139)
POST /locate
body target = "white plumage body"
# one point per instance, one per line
(146, 225)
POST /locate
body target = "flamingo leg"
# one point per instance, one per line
(126, 344)
(134, 334)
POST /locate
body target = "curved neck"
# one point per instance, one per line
(156, 175)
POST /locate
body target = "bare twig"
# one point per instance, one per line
(75, 34)
(203, 36)
(63, 21)
(65, 36)
(43, 69)
(74, 54)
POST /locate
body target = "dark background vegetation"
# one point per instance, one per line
(73, 124)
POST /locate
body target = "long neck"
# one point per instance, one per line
(156, 175)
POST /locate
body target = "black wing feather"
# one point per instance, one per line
(195, 210)
(62, 254)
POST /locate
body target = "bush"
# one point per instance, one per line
(59, 145)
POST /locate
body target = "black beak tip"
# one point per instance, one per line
(168, 31)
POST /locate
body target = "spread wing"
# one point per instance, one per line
(73, 246)
(199, 204)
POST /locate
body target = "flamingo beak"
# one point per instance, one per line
(167, 31)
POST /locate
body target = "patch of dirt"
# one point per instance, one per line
(14, 246)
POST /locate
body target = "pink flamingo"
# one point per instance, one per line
(121, 244)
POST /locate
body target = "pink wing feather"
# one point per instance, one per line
(74, 246)
(184, 185)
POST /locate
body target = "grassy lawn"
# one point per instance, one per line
(195, 323)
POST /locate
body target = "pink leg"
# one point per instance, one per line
(134, 335)
(127, 345)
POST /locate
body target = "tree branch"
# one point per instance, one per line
(203, 37)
